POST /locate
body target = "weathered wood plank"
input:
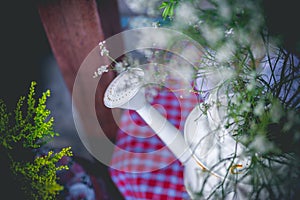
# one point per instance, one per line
(74, 28)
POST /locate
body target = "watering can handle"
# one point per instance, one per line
(171, 136)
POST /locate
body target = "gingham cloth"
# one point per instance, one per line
(150, 171)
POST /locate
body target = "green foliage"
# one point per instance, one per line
(41, 174)
(32, 127)
(168, 8)
(22, 134)
(262, 112)
(209, 24)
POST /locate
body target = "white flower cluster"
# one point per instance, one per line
(102, 69)
(143, 7)
(104, 51)
(120, 67)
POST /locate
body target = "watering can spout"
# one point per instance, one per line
(167, 132)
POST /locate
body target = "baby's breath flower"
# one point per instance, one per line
(104, 51)
(251, 86)
(276, 111)
(246, 107)
(225, 52)
(229, 32)
(212, 34)
(259, 108)
(155, 24)
(102, 69)
(101, 44)
(119, 67)
(260, 144)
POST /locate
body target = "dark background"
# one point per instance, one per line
(24, 46)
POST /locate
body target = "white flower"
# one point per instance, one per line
(225, 52)
(155, 24)
(119, 67)
(186, 13)
(104, 52)
(225, 10)
(229, 32)
(261, 145)
(251, 85)
(143, 7)
(103, 49)
(259, 109)
(100, 71)
(212, 34)
(276, 112)
(101, 44)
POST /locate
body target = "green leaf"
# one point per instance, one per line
(163, 5)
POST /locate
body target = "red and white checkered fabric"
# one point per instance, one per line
(142, 167)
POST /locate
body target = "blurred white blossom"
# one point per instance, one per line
(259, 108)
(185, 13)
(145, 7)
(225, 10)
(119, 67)
(102, 69)
(212, 34)
(225, 52)
(229, 32)
(104, 51)
(261, 145)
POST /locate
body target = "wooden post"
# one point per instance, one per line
(74, 28)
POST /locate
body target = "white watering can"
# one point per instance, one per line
(199, 150)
